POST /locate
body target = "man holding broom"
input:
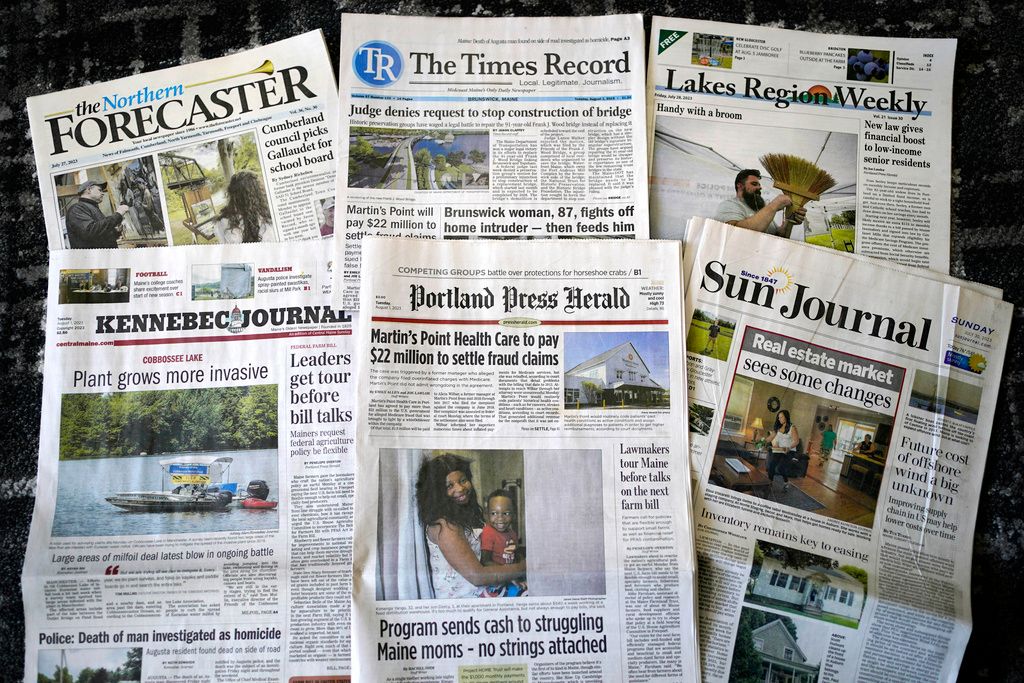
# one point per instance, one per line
(749, 210)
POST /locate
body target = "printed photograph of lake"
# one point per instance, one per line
(168, 462)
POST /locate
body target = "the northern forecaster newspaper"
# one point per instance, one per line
(229, 150)
(536, 387)
(509, 128)
(873, 113)
(194, 504)
(839, 414)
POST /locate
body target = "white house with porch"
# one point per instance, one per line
(814, 590)
(782, 660)
(614, 378)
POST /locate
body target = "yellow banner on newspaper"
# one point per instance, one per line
(190, 479)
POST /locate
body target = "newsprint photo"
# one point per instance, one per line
(194, 503)
(523, 506)
(492, 128)
(838, 433)
(235, 149)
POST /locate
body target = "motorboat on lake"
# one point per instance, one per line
(197, 485)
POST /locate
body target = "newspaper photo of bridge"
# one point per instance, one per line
(403, 159)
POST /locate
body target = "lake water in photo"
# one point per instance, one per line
(83, 485)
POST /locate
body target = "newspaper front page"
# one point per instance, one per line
(235, 149)
(194, 504)
(523, 507)
(838, 434)
(850, 132)
(510, 128)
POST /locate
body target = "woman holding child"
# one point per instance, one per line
(453, 520)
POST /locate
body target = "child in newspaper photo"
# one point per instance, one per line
(499, 542)
(450, 512)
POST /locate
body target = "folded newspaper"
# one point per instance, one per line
(523, 501)
(194, 501)
(851, 133)
(235, 149)
(839, 414)
(490, 128)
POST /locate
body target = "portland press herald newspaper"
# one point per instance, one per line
(840, 412)
(536, 387)
(194, 504)
(490, 128)
(874, 113)
(235, 149)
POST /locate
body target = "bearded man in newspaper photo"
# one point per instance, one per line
(88, 227)
(749, 210)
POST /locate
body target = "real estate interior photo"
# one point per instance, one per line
(834, 468)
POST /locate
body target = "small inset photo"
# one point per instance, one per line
(216, 192)
(868, 65)
(222, 281)
(123, 664)
(479, 524)
(402, 159)
(796, 581)
(110, 206)
(616, 370)
(775, 647)
(324, 210)
(945, 396)
(714, 50)
(700, 417)
(710, 335)
(95, 286)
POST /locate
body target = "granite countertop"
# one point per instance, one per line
(50, 46)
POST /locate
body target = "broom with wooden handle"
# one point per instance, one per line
(799, 179)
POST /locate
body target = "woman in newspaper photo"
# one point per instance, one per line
(784, 443)
(452, 519)
(247, 217)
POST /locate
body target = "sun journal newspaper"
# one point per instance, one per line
(838, 434)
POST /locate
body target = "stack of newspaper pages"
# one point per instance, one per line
(740, 452)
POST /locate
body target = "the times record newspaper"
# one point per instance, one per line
(873, 113)
(838, 434)
(523, 507)
(235, 149)
(514, 128)
(194, 502)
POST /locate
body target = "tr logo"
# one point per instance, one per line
(377, 63)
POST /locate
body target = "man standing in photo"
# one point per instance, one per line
(87, 227)
(749, 210)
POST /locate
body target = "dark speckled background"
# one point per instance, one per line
(51, 46)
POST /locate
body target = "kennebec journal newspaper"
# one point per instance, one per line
(194, 507)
